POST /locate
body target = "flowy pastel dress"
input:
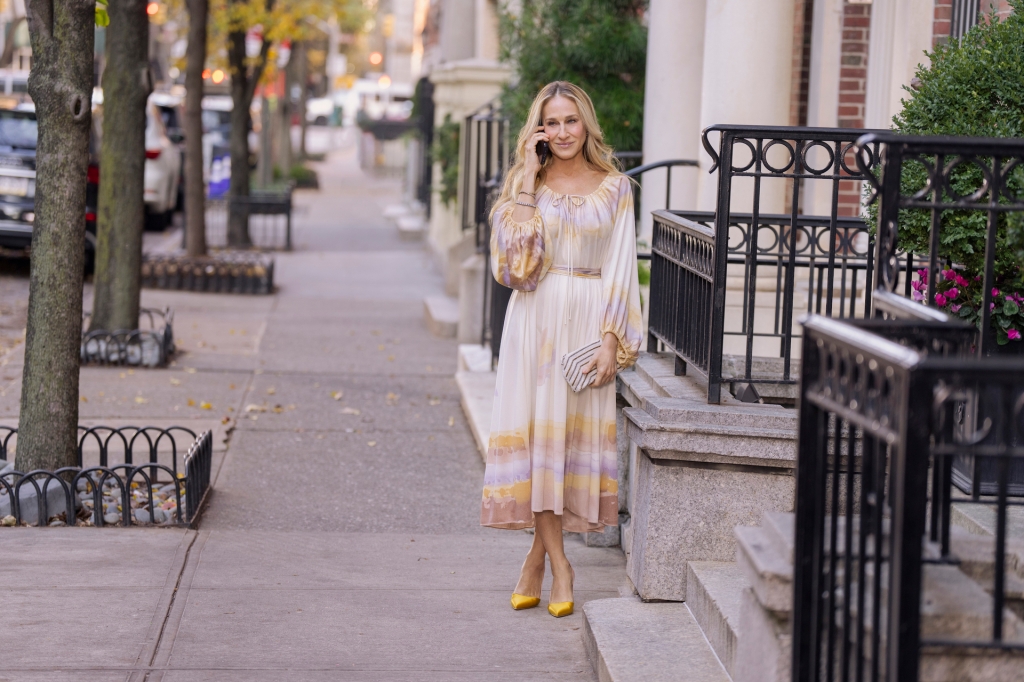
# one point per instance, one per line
(574, 269)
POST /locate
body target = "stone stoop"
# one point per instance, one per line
(630, 641)
(713, 594)
(696, 471)
(441, 315)
(476, 382)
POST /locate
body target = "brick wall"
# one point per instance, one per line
(853, 76)
(943, 21)
(801, 75)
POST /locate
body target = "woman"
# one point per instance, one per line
(563, 236)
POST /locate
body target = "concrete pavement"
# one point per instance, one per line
(341, 541)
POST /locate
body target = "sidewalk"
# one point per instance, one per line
(342, 539)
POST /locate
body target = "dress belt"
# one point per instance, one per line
(585, 273)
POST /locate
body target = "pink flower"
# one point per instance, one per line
(991, 306)
(940, 300)
(1013, 334)
(977, 278)
(955, 307)
(995, 292)
(1009, 299)
(952, 293)
(917, 295)
(962, 281)
(917, 285)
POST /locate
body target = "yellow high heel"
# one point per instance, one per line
(560, 609)
(520, 602)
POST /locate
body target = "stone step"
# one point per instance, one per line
(781, 531)
(477, 391)
(441, 314)
(474, 358)
(713, 592)
(411, 228)
(630, 641)
(768, 570)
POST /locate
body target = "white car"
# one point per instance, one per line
(162, 171)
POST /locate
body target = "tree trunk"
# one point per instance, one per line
(121, 211)
(195, 188)
(302, 76)
(238, 193)
(61, 88)
(284, 131)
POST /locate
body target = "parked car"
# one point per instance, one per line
(162, 171)
(172, 112)
(19, 132)
(320, 111)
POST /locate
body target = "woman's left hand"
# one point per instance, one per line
(604, 360)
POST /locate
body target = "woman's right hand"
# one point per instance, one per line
(531, 164)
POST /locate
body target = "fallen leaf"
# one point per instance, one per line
(337, 395)
(391, 358)
(205, 406)
(349, 410)
(278, 409)
(83, 399)
(140, 400)
(225, 419)
(255, 408)
(380, 347)
(191, 403)
(231, 387)
(122, 375)
(434, 401)
(175, 382)
(190, 370)
(271, 391)
(372, 443)
(101, 394)
(230, 409)
(451, 421)
(290, 407)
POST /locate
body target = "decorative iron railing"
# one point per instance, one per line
(955, 185)
(885, 409)
(140, 475)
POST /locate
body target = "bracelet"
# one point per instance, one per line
(530, 194)
(523, 203)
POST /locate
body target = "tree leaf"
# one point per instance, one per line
(102, 18)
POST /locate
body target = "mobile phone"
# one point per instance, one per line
(543, 149)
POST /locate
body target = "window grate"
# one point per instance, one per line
(965, 16)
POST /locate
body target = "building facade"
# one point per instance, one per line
(827, 63)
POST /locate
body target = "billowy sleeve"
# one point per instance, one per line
(622, 315)
(518, 254)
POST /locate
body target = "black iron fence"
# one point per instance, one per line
(882, 419)
(124, 476)
(269, 216)
(726, 286)
(144, 347)
(228, 272)
(909, 417)
(945, 198)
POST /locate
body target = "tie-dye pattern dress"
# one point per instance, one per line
(574, 268)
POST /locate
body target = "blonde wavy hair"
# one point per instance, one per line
(595, 152)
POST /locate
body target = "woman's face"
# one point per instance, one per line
(562, 123)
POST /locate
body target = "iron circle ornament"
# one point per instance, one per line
(775, 143)
(753, 154)
(965, 163)
(888, 260)
(807, 165)
(1006, 176)
(930, 173)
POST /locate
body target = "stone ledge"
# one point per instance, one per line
(714, 590)
(441, 314)
(630, 641)
(743, 444)
(477, 391)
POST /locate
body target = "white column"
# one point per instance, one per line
(901, 31)
(823, 92)
(748, 52)
(675, 50)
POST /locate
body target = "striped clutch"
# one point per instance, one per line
(573, 364)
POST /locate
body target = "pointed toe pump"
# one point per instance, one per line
(560, 609)
(520, 602)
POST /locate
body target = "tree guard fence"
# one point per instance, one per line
(142, 475)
